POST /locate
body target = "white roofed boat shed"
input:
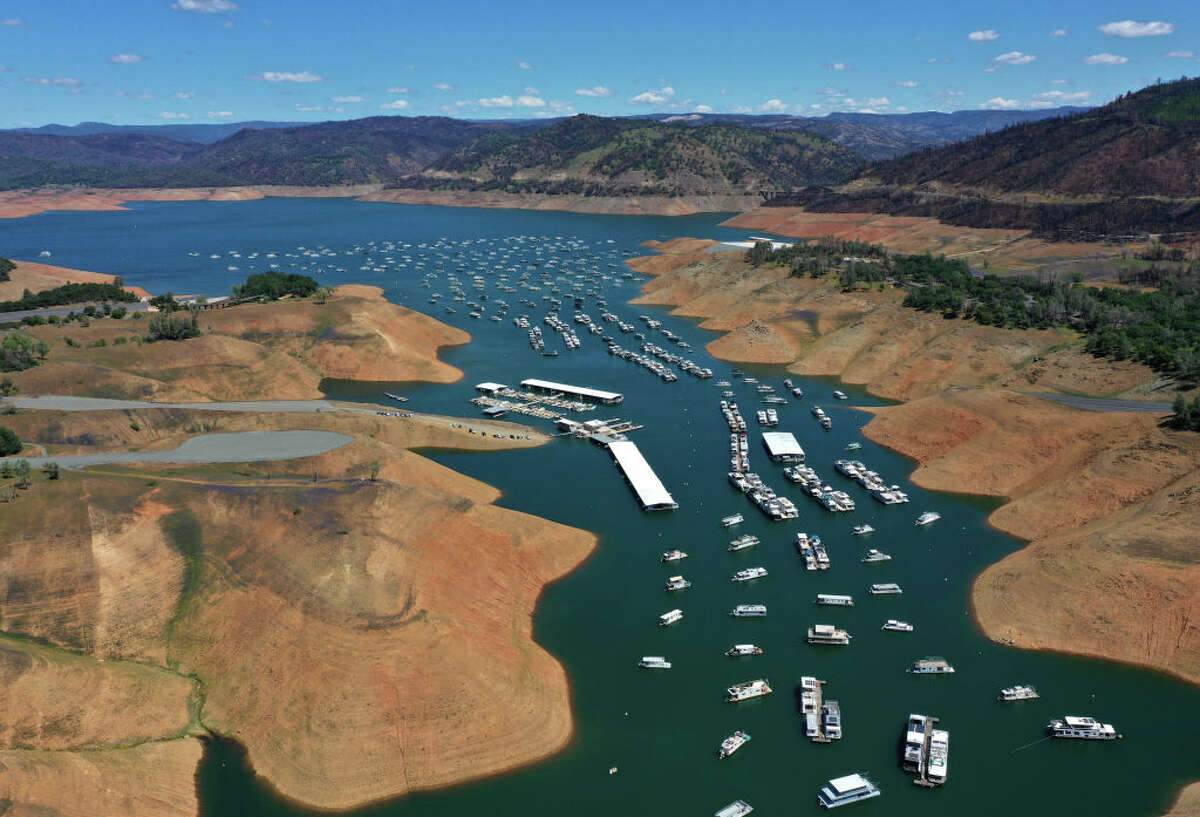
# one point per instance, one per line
(641, 477)
(607, 397)
(782, 446)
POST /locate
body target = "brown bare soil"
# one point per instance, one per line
(278, 350)
(1187, 804)
(362, 638)
(37, 277)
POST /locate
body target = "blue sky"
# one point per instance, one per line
(155, 61)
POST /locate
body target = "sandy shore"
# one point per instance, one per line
(35, 277)
(318, 610)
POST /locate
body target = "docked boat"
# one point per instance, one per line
(897, 626)
(743, 542)
(939, 756)
(874, 555)
(670, 617)
(738, 650)
(912, 758)
(1020, 692)
(732, 743)
(831, 719)
(747, 690)
(832, 600)
(673, 556)
(859, 530)
(828, 634)
(851, 788)
(738, 808)
(654, 662)
(885, 589)
(853, 446)
(732, 519)
(928, 517)
(932, 665)
(1081, 727)
(749, 611)
(678, 583)
(749, 574)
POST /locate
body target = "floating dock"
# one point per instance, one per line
(599, 396)
(782, 446)
(641, 477)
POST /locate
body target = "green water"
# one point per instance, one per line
(661, 729)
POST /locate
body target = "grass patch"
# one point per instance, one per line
(184, 535)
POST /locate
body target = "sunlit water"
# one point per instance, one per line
(661, 730)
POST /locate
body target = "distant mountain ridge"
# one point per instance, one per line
(204, 133)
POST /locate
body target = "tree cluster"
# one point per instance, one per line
(19, 352)
(173, 327)
(6, 267)
(1187, 413)
(274, 284)
(68, 294)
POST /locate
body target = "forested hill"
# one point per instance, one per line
(596, 155)
(1145, 143)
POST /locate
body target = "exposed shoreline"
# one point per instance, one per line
(22, 203)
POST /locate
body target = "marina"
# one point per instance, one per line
(646, 485)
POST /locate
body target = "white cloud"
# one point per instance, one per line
(704, 109)
(1130, 28)
(395, 105)
(346, 99)
(983, 36)
(128, 94)
(773, 106)
(204, 6)
(529, 89)
(14, 21)
(170, 115)
(599, 91)
(1062, 97)
(1058, 32)
(1015, 58)
(66, 82)
(218, 114)
(504, 101)
(725, 92)
(524, 66)
(323, 108)
(877, 102)
(182, 95)
(1106, 59)
(126, 59)
(999, 103)
(905, 83)
(530, 101)
(937, 60)
(443, 86)
(831, 92)
(286, 76)
(1038, 104)
(1060, 82)
(397, 89)
(839, 66)
(1185, 54)
(660, 96)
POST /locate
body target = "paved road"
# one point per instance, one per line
(63, 311)
(1105, 404)
(53, 403)
(247, 446)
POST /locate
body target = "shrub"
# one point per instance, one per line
(10, 443)
(173, 327)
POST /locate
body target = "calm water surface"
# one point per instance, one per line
(661, 729)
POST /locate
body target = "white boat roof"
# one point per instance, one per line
(848, 783)
(671, 613)
(782, 444)
(832, 596)
(646, 484)
(582, 391)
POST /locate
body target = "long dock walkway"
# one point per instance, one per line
(922, 779)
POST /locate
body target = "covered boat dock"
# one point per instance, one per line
(641, 477)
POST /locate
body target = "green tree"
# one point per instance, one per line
(51, 470)
(10, 443)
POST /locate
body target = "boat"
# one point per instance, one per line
(939, 756)
(831, 718)
(840, 395)
(738, 650)
(670, 617)
(732, 743)
(853, 446)
(928, 517)
(738, 808)
(859, 530)
(673, 556)
(897, 626)
(1081, 727)
(851, 788)
(874, 555)
(678, 583)
(747, 690)
(654, 662)
(743, 542)
(828, 634)
(885, 589)
(396, 397)
(1020, 692)
(831, 600)
(933, 665)
(732, 519)
(749, 611)
(912, 758)
(749, 574)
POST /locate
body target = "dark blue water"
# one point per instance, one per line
(661, 730)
